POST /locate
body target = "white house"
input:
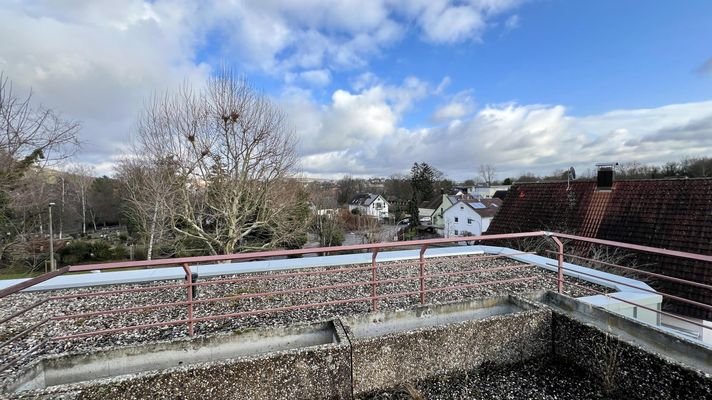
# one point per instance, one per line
(370, 204)
(468, 217)
(486, 191)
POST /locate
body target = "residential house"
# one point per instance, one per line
(469, 217)
(427, 210)
(674, 214)
(486, 192)
(370, 204)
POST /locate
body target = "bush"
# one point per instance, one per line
(84, 251)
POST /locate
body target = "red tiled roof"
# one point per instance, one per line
(672, 214)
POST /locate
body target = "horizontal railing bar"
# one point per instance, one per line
(496, 269)
(281, 253)
(277, 309)
(380, 265)
(267, 276)
(639, 271)
(636, 247)
(24, 332)
(119, 291)
(24, 310)
(238, 280)
(469, 286)
(636, 304)
(32, 282)
(439, 259)
(23, 356)
(275, 293)
(682, 299)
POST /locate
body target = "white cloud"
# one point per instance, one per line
(444, 21)
(461, 105)
(314, 77)
(514, 137)
(97, 61)
(355, 121)
(444, 83)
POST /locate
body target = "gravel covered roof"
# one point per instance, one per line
(542, 279)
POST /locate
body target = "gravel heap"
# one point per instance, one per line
(542, 280)
(542, 379)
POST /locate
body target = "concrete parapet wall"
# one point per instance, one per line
(365, 354)
(389, 360)
(623, 369)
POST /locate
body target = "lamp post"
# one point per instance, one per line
(51, 240)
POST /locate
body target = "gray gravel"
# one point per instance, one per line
(19, 301)
(543, 379)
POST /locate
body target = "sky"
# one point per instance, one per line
(372, 86)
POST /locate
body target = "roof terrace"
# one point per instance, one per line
(262, 306)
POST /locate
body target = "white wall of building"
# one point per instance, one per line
(461, 218)
(378, 208)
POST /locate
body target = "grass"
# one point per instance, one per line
(18, 274)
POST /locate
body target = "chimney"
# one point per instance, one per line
(604, 179)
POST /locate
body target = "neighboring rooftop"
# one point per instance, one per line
(673, 214)
(363, 199)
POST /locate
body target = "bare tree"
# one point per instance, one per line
(31, 137)
(228, 154)
(488, 173)
(147, 195)
(81, 178)
(326, 222)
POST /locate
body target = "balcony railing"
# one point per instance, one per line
(405, 282)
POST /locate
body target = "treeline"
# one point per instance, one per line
(424, 183)
(688, 167)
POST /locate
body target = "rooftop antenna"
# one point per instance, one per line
(571, 175)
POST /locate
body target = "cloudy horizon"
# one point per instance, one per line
(371, 87)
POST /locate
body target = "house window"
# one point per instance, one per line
(457, 232)
(456, 219)
(469, 221)
(379, 206)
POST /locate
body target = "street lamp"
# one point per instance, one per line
(51, 240)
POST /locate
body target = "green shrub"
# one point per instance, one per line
(84, 251)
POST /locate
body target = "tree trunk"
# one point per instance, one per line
(61, 212)
(84, 214)
(152, 234)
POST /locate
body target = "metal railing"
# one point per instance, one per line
(420, 283)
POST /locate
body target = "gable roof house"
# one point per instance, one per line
(429, 209)
(370, 204)
(673, 214)
(469, 217)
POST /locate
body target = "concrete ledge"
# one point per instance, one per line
(655, 340)
(295, 361)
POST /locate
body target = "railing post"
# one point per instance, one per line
(560, 257)
(421, 273)
(374, 301)
(189, 281)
